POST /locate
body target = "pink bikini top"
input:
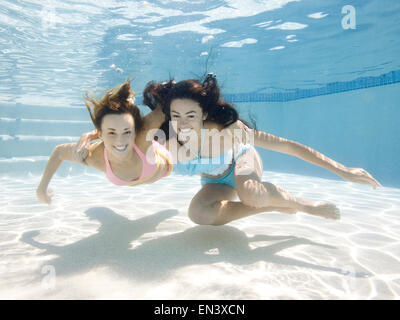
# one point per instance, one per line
(148, 169)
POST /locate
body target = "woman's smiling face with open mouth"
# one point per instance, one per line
(187, 117)
(118, 134)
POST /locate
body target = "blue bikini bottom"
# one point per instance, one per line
(229, 178)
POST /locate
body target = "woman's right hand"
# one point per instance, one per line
(44, 195)
(359, 175)
(81, 150)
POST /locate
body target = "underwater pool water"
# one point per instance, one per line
(323, 74)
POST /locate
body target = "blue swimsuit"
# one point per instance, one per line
(212, 166)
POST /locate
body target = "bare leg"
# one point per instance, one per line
(252, 191)
(214, 205)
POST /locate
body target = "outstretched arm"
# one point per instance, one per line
(268, 141)
(60, 153)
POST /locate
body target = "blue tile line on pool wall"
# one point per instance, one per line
(332, 87)
(391, 77)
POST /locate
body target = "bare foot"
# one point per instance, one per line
(323, 209)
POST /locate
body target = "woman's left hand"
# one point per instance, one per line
(360, 175)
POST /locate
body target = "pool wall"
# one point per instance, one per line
(358, 128)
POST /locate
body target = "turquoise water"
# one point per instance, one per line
(292, 65)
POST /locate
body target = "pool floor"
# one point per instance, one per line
(99, 241)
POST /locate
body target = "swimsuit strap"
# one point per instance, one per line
(153, 168)
(148, 169)
(110, 174)
(161, 151)
(170, 164)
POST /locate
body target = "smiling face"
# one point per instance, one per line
(187, 117)
(118, 134)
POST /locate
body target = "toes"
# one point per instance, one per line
(335, 216)
(327, 210)
(335, 213)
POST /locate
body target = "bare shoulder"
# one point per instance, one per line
(217, 130)
(213, 125)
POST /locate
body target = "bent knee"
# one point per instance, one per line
(253, 193)
(206, 215)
